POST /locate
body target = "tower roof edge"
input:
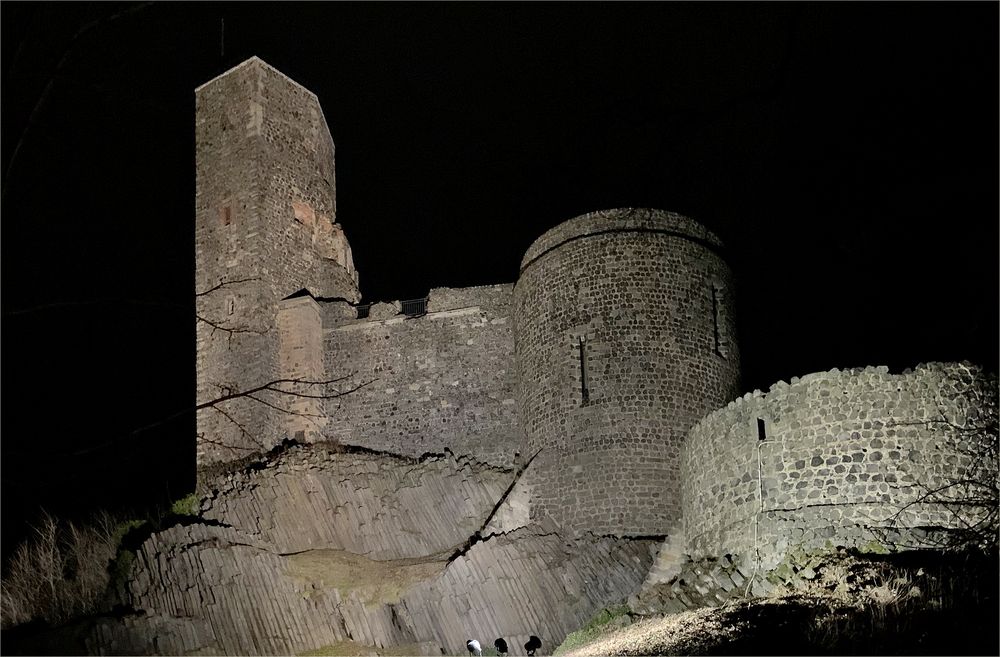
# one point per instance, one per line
(247, 62)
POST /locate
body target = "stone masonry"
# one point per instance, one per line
(624, 339)
(842, 456)
(265, 209)
(441, 380)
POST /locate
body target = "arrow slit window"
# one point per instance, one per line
(718, 324)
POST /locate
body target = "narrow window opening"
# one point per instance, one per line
(717, 321)
(230, 305)
(761, 432)
(584, 390)
(225, 215)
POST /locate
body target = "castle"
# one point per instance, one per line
(496, 461)
(616, 338)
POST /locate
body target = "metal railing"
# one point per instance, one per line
(414, 307)
(410, 308)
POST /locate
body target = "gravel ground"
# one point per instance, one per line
(734, 630)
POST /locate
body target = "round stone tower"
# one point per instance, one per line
(624, 338)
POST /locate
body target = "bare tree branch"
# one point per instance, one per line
(221, 326)
(967, 422)
(243, 430)
(224, 284)
(229, 330)
(298, 413)
(272, 386)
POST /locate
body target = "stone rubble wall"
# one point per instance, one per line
(846, 453)
(444, 380)
(377, 505)
(593, 223)
(304, 245)
(708, 582)
(617, 315)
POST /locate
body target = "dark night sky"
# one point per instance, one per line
(846, 153)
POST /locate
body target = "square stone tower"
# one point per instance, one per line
(265, 230)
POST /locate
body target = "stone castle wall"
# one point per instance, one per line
(846, 456)
(265, 207)
(625, 337)
(443, 380)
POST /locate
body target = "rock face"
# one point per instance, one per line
(528, 582)
(314, 547)
(377, 505)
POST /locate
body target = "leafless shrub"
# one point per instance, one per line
(60, 571)
(966, 422)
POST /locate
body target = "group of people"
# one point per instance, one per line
(533, 644)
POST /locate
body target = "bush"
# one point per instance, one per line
(190, 505)
(61, 570)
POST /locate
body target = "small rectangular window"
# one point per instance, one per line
(225, 215)
(761, 432)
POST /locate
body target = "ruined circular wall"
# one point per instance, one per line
(850, 457)
(624, 338)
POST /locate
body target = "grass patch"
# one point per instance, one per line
(606, 620)
(189, 505)
(376, 582)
